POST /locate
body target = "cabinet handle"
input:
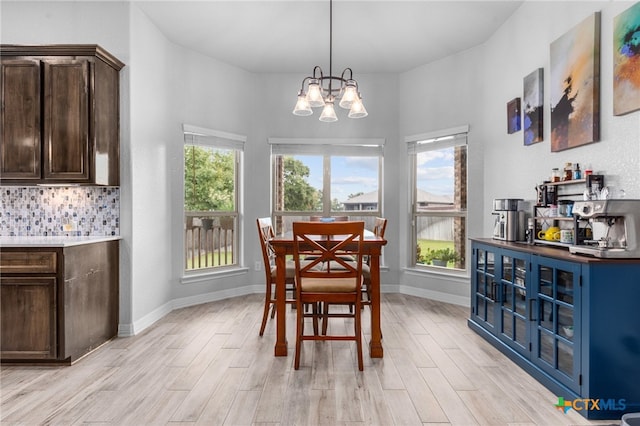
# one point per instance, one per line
(532, 316)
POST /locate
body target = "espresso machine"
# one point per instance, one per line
(614, 226)
(509, 221)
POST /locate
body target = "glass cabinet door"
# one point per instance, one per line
(484, 286)
(556, 319)
(514, 325)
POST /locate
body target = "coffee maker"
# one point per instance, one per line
(509, 222)
(614, 226)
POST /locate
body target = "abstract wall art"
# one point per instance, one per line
(533, 107)
(513, 116)
(626, 61)
(575, 86)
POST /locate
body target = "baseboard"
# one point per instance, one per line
(435, 295)
(127, 330)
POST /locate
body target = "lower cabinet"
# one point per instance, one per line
(57, 303)
(569, 321)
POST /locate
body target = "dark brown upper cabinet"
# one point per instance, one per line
(60, 115)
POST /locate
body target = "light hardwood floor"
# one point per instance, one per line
(207, 365)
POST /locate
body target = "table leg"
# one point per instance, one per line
(375, 346)
(281, 306)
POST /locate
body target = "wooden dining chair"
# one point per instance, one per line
(265, 233)
(328, 278)
(379, 228)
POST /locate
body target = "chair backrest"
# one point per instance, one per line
(327, 219)
(379, 226)
(328, 250)
(265, 233)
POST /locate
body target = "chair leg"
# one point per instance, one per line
(358, 332)
(267, 305)
(325, 318)
(299, 333)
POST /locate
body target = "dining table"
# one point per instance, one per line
(371, 245)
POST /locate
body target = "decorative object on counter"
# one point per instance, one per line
(509, 222)
(626, 61)
(68, 211)
(575, 86)
(533, 101)
(555, 174)
(577, 174)
(513, 116)
(568, 171)
(551, 234)
(615, 227)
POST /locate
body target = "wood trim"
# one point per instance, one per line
(62, 50)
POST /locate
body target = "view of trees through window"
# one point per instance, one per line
(210, 206)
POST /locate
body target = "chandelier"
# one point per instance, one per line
(323, 91)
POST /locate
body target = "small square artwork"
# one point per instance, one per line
(575, 86)
(533, 107)
(626, 61)
(513, 116)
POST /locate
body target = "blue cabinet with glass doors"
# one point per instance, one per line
(569, 321)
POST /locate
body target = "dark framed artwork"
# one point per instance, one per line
(533, 107)
(513, 116)
(575, 86)
(626, 61)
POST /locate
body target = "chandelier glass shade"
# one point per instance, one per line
(323, 91)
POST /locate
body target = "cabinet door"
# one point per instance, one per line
(66, 120)
(20, 133)
(556, 322)
(514, 300)
(28, 318)
(484, 286)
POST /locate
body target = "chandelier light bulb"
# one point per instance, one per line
(302, 107)
(314, 95)
(357, 109)
(328, 112)
(349, 96)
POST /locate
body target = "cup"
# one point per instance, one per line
(566, 236)
(551, 234)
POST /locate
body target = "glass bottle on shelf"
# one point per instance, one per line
(555, 175)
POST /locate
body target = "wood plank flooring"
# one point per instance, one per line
(206, 365)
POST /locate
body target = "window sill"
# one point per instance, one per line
(197, 277)
(443, 272)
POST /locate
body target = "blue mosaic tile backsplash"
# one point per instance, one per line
(59, 211)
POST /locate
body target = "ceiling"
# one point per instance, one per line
(293, 35)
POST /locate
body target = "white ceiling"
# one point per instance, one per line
(293, 35)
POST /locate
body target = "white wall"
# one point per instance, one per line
(474, 87)
(512, 169)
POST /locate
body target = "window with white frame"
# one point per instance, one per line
(212, 171)
(326, 178)
(439, 199)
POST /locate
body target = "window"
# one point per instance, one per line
(326, 178)
(439, 198)
(212, 163)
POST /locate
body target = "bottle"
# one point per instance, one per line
(568, 171)
(555, 175)
(577, 174)
(588, 170)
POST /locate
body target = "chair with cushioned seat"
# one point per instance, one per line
(328, 278)
(265, 233)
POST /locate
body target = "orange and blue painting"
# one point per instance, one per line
(533, 107)
(626, 61)
(575, 86)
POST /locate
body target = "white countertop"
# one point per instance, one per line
(54, 241)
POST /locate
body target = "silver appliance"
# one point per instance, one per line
(509, 222)
(614, 227)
